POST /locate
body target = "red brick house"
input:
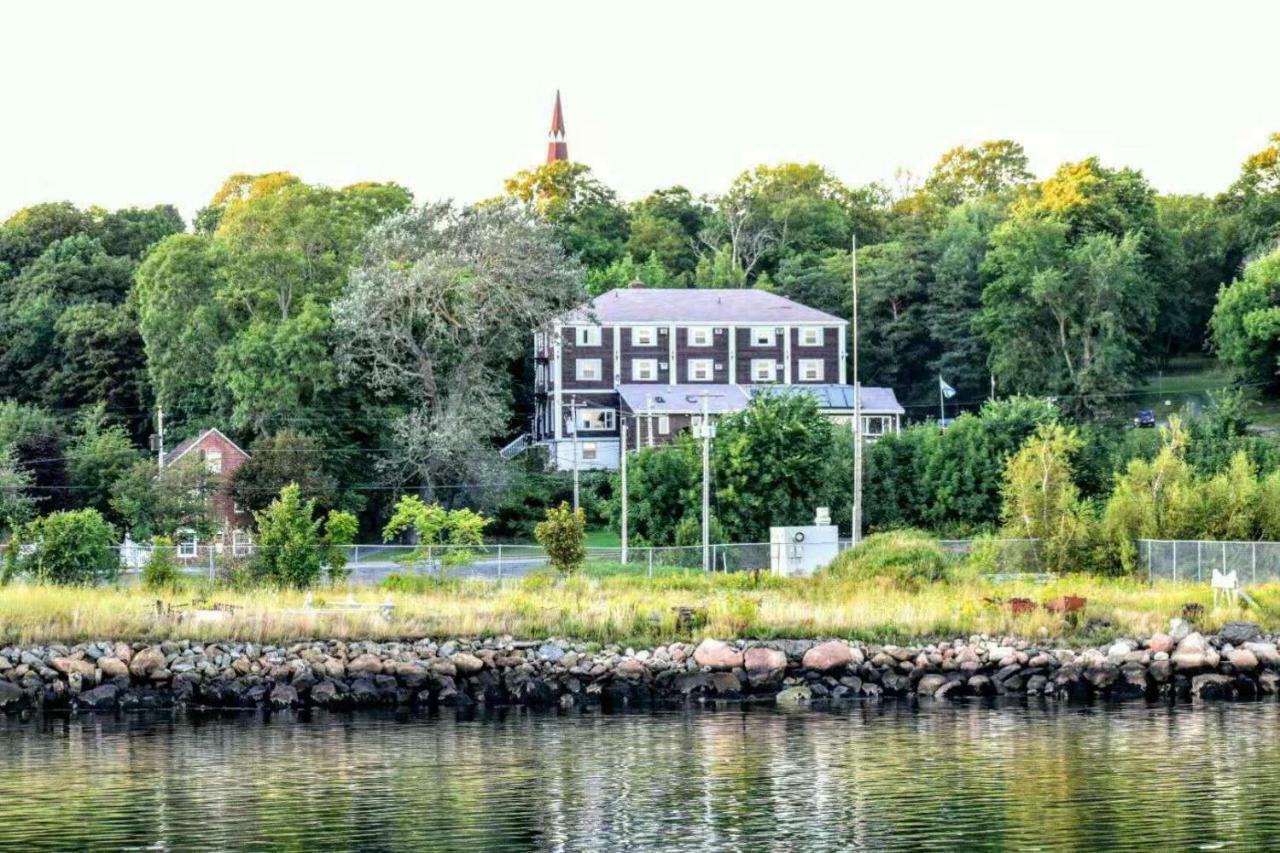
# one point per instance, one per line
(222, 457)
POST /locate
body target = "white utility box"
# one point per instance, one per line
(801, 551)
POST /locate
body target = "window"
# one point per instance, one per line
(588, 336)
(700, 370)
(875, 425)
(587, 369)
(811, 336)
(236, 508)
(589, 451)
(762, 336)
(596, 419)
(188, 545)
(644, 370)
(763, 369)
(700, 336)
(810, 370)
(240, 542)
(213, 461)
(664, 425)
(644, 336)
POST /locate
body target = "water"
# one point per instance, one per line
(874, 776)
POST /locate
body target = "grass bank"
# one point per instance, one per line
(607, 604)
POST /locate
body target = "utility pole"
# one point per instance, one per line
(942, 402)
(855, 534)
(706, 482)
(622, 447)
(159, 438)
(573, 408)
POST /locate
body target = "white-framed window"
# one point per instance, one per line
(213, 461)
(810, 370)
(589, 451)
(762, 336)
(811, 336)
(596, 419)
(699, 336)
(876, 425)
(644, 370)
(587, 369)
(187, 544)
(763, 370)
(240, 542)
(664, 425)
(700, 370)
(236, 508)
(588, 336)
(644, 336)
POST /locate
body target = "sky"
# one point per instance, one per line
(140, 103)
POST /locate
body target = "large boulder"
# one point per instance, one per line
(104, 696)
(1243, 660)
(112, 667)
(1266, 653)
(147, 661)
(793, 696)
(1194, 652)
(466, 664)
(68, 666)
(365, 664)
(716, 655)
(764, 665)
(1238, 633)
(11, 695)
(630, 668)
(1211, 686)
(833, 654)
(930, 684)
(1160, 642)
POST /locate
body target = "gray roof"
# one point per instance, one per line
(181, 450)
(671, 305)
(671, 399)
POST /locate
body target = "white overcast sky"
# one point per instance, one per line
(138, 103)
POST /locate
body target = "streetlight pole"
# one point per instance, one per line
(855, 534)
(706, 482)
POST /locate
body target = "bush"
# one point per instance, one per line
(906, 559)
(161, 571)
(564, 535)
(71, 547)
(289, 541)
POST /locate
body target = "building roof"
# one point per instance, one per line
(178, 452)
(876, 401)
(684, 399)
(683, 305)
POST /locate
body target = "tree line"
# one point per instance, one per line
(363, 345)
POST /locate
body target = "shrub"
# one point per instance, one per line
(564, 535)
(905, 559)
(340, 530)
(289, 540)
(71, 547)
(161, 571)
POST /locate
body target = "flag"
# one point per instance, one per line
(947, 390)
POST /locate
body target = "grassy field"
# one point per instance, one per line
(612, 604)
(1186, 383)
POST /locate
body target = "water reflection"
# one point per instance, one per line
(873, 776)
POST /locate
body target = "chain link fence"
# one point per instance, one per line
(1195, 560)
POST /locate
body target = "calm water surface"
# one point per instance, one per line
(873, 776)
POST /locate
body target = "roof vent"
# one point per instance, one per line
(636, 284)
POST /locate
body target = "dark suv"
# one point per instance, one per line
(1145, 419)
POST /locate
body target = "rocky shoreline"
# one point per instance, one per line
(1237, 663)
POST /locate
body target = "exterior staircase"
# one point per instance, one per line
(518, 445)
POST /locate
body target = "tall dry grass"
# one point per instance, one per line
(627, 610)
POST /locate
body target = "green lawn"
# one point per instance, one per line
(1186, 382)
(602, 538)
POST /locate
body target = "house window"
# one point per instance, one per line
(589, 451)
(699, 336)
(587, 369)
(188, 545)
(762, 336)
(239, 543)
(664, 425)
(596, 419)
(811, 336)
(644, 336)
(700, 369)
(810, 370)
(213, 461)
(763, 369)
(875, 425)
(236, 508)
(644, 370)
(588, 336)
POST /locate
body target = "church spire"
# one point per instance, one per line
(557, 148)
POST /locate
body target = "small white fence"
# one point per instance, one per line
(1195, 560)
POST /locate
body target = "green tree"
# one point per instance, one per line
(964, 174)
(1246, 321)
(664, 227)
(1252, 203)
(70, 547)
(457, 530)
(161, 571)
(275, 461)
(1041, 501)
(17, 506)
(564, 535)
(340, 531)
(167, 502)
(289, 543)
(99, 455)
(586, 215)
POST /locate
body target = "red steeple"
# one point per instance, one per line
(557, 148)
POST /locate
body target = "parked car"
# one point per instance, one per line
(1145, 419)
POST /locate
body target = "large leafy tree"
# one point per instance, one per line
(1253, 203)
(275, 461)
(1246, 321)
(969, 174)
(443, 302)
(664, 227)
(591, 223)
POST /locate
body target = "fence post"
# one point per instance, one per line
(1149, 577)
(1255, 563)
(499, 562)
(650, 549)
(1224, 558)
(1199, 560)
(211, 573)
